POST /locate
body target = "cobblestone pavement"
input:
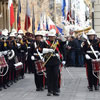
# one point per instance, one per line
(72, 88)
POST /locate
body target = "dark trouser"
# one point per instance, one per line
(72, 54)
(29, 64)
(5, 78)
(91, 78)
(38, 80)
(52, 78)
(21, 58)
(0, 81)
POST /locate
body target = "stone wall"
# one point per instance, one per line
(97, 17)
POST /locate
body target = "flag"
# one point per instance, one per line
(27, 17)
(63, 7)
(33, 22)
(38, 27)
(41, 22)
(51, 25)
(11, 10)
(44, 21)
(69, 10)
(47, 28)
(18, 16)
(60, 30)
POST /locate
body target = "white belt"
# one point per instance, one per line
(28, 47)
(22, 50)
(92, 52)
(35, 54)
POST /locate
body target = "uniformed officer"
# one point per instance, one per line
(37, 45)
(52, 64)
(92, 80)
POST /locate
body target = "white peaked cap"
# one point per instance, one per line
(52, 32)
(14, 30)
(20, 32)
(13, 33)
(19, 36)
(5, 32)
(38, 33)
(91, 32)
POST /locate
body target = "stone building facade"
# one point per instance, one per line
(4, 22)
(97, 17)
(47, 6)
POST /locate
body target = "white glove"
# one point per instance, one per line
(82, 44)
(58, 56)
(5, 52)
(32, 58)
(18, 44)
(87, 57)
(63, 62)
(46, 50)
(26, 53)
(0, 53)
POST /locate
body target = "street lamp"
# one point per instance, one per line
(92, 1)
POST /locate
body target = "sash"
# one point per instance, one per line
(49, 43)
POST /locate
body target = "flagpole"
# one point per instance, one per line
(26, 17)
(9, 19)
(55, 12)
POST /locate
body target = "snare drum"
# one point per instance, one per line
(18, 66)
(96, 65)
(39, 67)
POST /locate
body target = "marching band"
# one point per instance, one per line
(44, 56)
(40, 56)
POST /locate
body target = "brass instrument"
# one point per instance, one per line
(80, 32)
(53, 46)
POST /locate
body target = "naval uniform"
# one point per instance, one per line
(92, 80)
(38, 78)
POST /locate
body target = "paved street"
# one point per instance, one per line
(72, 89)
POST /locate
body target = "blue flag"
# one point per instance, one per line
(60, 30)
(63, 7)
(19, 11)
(47, 28)
(38, 27)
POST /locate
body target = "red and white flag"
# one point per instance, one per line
(27, 17)
(51, 24)
(11, 9)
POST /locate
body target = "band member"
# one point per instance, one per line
(52, 62)
(22, 49)
(36, 49)
(92, 80)
(11, 57)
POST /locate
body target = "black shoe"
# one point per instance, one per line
(41, 89)
(38, 89)
(90, 89)
(15, 81)
(58, 91)
(23, 77)
(96, 88)
(49, 94)
(4, 87)
(11, 82)
(0, 89)
(56, 94)
(7, 85)
(46, 87)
